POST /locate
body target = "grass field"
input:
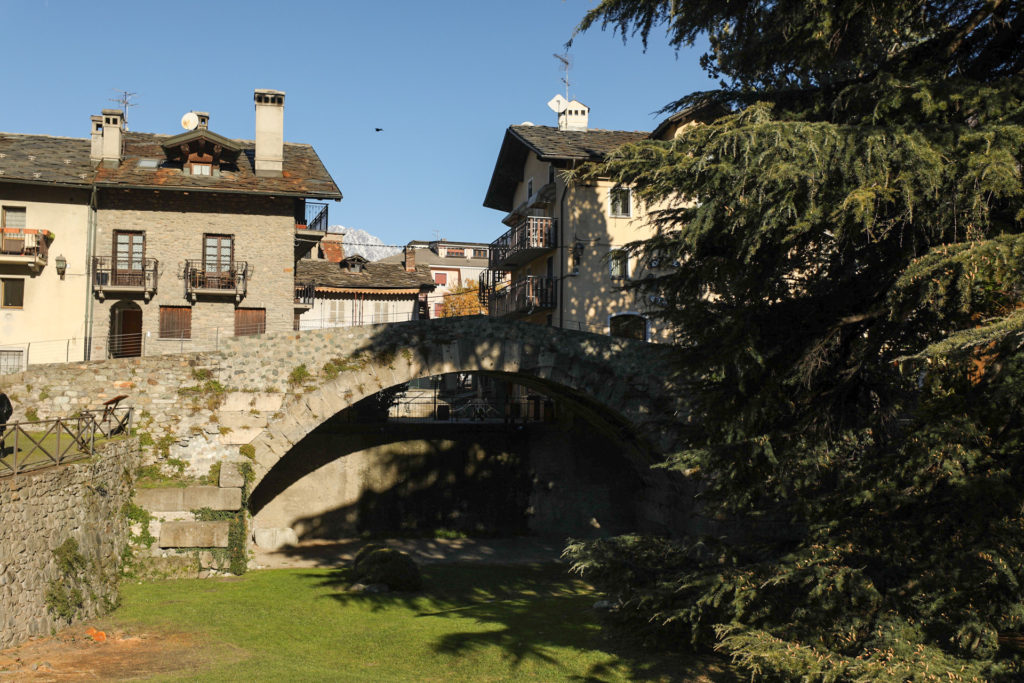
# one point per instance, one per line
(472, 623)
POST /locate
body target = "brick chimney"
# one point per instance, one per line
(333, 247)
(113, 126)
(410, 258)
(269, 132)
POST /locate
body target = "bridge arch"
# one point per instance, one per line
(623, 384)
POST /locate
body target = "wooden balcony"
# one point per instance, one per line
(23, 247)
(532, 237)
(202, 280)
(523, 296)
(124, 277)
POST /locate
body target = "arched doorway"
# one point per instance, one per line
(125, 339)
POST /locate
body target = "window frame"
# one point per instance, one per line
(618, 259)
(220, 237)
(22, 210)
(5, 366)
(628, 213)
(4, 283)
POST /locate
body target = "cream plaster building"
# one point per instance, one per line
(126, 243)
(451, 264)
(561, 260)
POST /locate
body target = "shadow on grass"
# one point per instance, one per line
(535, 611)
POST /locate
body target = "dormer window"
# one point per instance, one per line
(353, 264)
(201, 152)
(201, 169)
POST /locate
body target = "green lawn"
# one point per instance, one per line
(473, 623)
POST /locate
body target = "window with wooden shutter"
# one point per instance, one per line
(175, 322)
(250, 321)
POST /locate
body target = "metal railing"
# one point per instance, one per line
(23, 242)
(523, 296)
(109, 272)
(200, 279)
(472, 409)
(531, 233)
(316, 216)
(26, 446)
(305, 293)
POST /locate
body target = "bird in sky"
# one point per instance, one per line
(378, 129)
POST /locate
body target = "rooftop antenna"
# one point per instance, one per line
(124, 98)
(566, 62)
(437, 235)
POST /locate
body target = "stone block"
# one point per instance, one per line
(194, 535)
(231, 476)
(212, 497)
(268, 403)
(275, 539)
(160, 500)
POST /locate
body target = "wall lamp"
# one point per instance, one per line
(62, 265)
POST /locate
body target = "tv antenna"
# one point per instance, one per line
(566, 63)
(124, 98)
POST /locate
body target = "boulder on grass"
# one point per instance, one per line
(388, 566)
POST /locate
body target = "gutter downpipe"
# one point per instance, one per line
(563, 258)
(90, 239)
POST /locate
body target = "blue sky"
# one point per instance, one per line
(443, 79)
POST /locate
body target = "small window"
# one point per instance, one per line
(175, 322)
(148, 163)
(529, 189)
(14, 217)
(479, 253)
(202, 169)
(441, 279)
(629, 326)
(455, 252)
(619, 199)
(12, 293)
(551, 173)
(438, 310)
(11, 360)
(618, 264)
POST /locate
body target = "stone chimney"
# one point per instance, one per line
(269, 132)
(113, 146)
(333, 247)
(96, 132)
(410, 258)
(204, 119)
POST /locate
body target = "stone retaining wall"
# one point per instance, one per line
(41, 510)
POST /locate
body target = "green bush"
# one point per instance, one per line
(391, 567)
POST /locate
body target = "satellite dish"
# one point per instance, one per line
(558, 104)
(190, 121)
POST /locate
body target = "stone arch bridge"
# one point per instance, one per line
(273, 390)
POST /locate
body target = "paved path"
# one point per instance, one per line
(319, 553)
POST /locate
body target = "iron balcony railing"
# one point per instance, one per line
(22, 243)
(527, 239)
(523, 296)
(316, 216)
(229, 280)
(110, 274)
(305, 292)
(490, 280)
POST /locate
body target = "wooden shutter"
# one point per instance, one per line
(250, 321)
(175, 322)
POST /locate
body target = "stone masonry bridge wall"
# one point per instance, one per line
(201, 407)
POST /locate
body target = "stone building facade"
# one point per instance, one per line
(163, 243)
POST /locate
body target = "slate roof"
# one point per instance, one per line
(425, 256)
(47, 159)
(375, 275)
(549, 144)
